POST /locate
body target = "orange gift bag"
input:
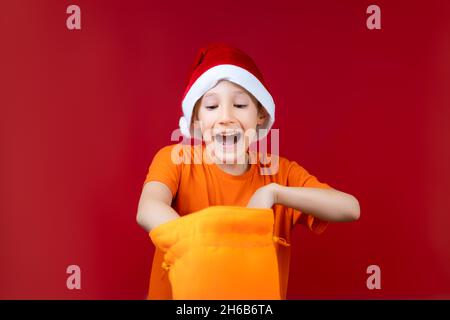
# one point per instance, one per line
(221, 252)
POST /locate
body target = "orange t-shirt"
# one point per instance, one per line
(196, 185)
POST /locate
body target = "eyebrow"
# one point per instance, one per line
(213, 93)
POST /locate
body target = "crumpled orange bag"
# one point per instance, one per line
(220, 253)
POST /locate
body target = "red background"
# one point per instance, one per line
(84, 111)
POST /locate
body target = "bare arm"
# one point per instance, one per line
(326, 204)
(154, 206)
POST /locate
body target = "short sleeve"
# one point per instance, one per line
(299, 177)
(164, 169)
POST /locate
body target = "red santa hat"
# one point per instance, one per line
(219, 61)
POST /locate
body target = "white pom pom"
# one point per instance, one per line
(184, 128)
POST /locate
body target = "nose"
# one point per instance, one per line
(226, 115)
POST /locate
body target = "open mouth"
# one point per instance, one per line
(228, 139)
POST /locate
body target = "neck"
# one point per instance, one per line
(235, 169)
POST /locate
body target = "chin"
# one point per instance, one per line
(229, 157)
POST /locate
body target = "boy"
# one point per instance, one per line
(227, 98)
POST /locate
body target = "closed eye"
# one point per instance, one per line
(239, 106)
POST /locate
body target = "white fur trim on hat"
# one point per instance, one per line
(231, 73)
(184, 127)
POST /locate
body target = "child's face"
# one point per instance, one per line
(228, 116)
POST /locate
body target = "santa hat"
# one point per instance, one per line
(219, 61)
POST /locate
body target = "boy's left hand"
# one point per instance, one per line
(264, 197)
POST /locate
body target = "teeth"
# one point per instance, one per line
(228, 138)
(227, 133)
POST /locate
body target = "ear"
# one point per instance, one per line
(262, 115)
